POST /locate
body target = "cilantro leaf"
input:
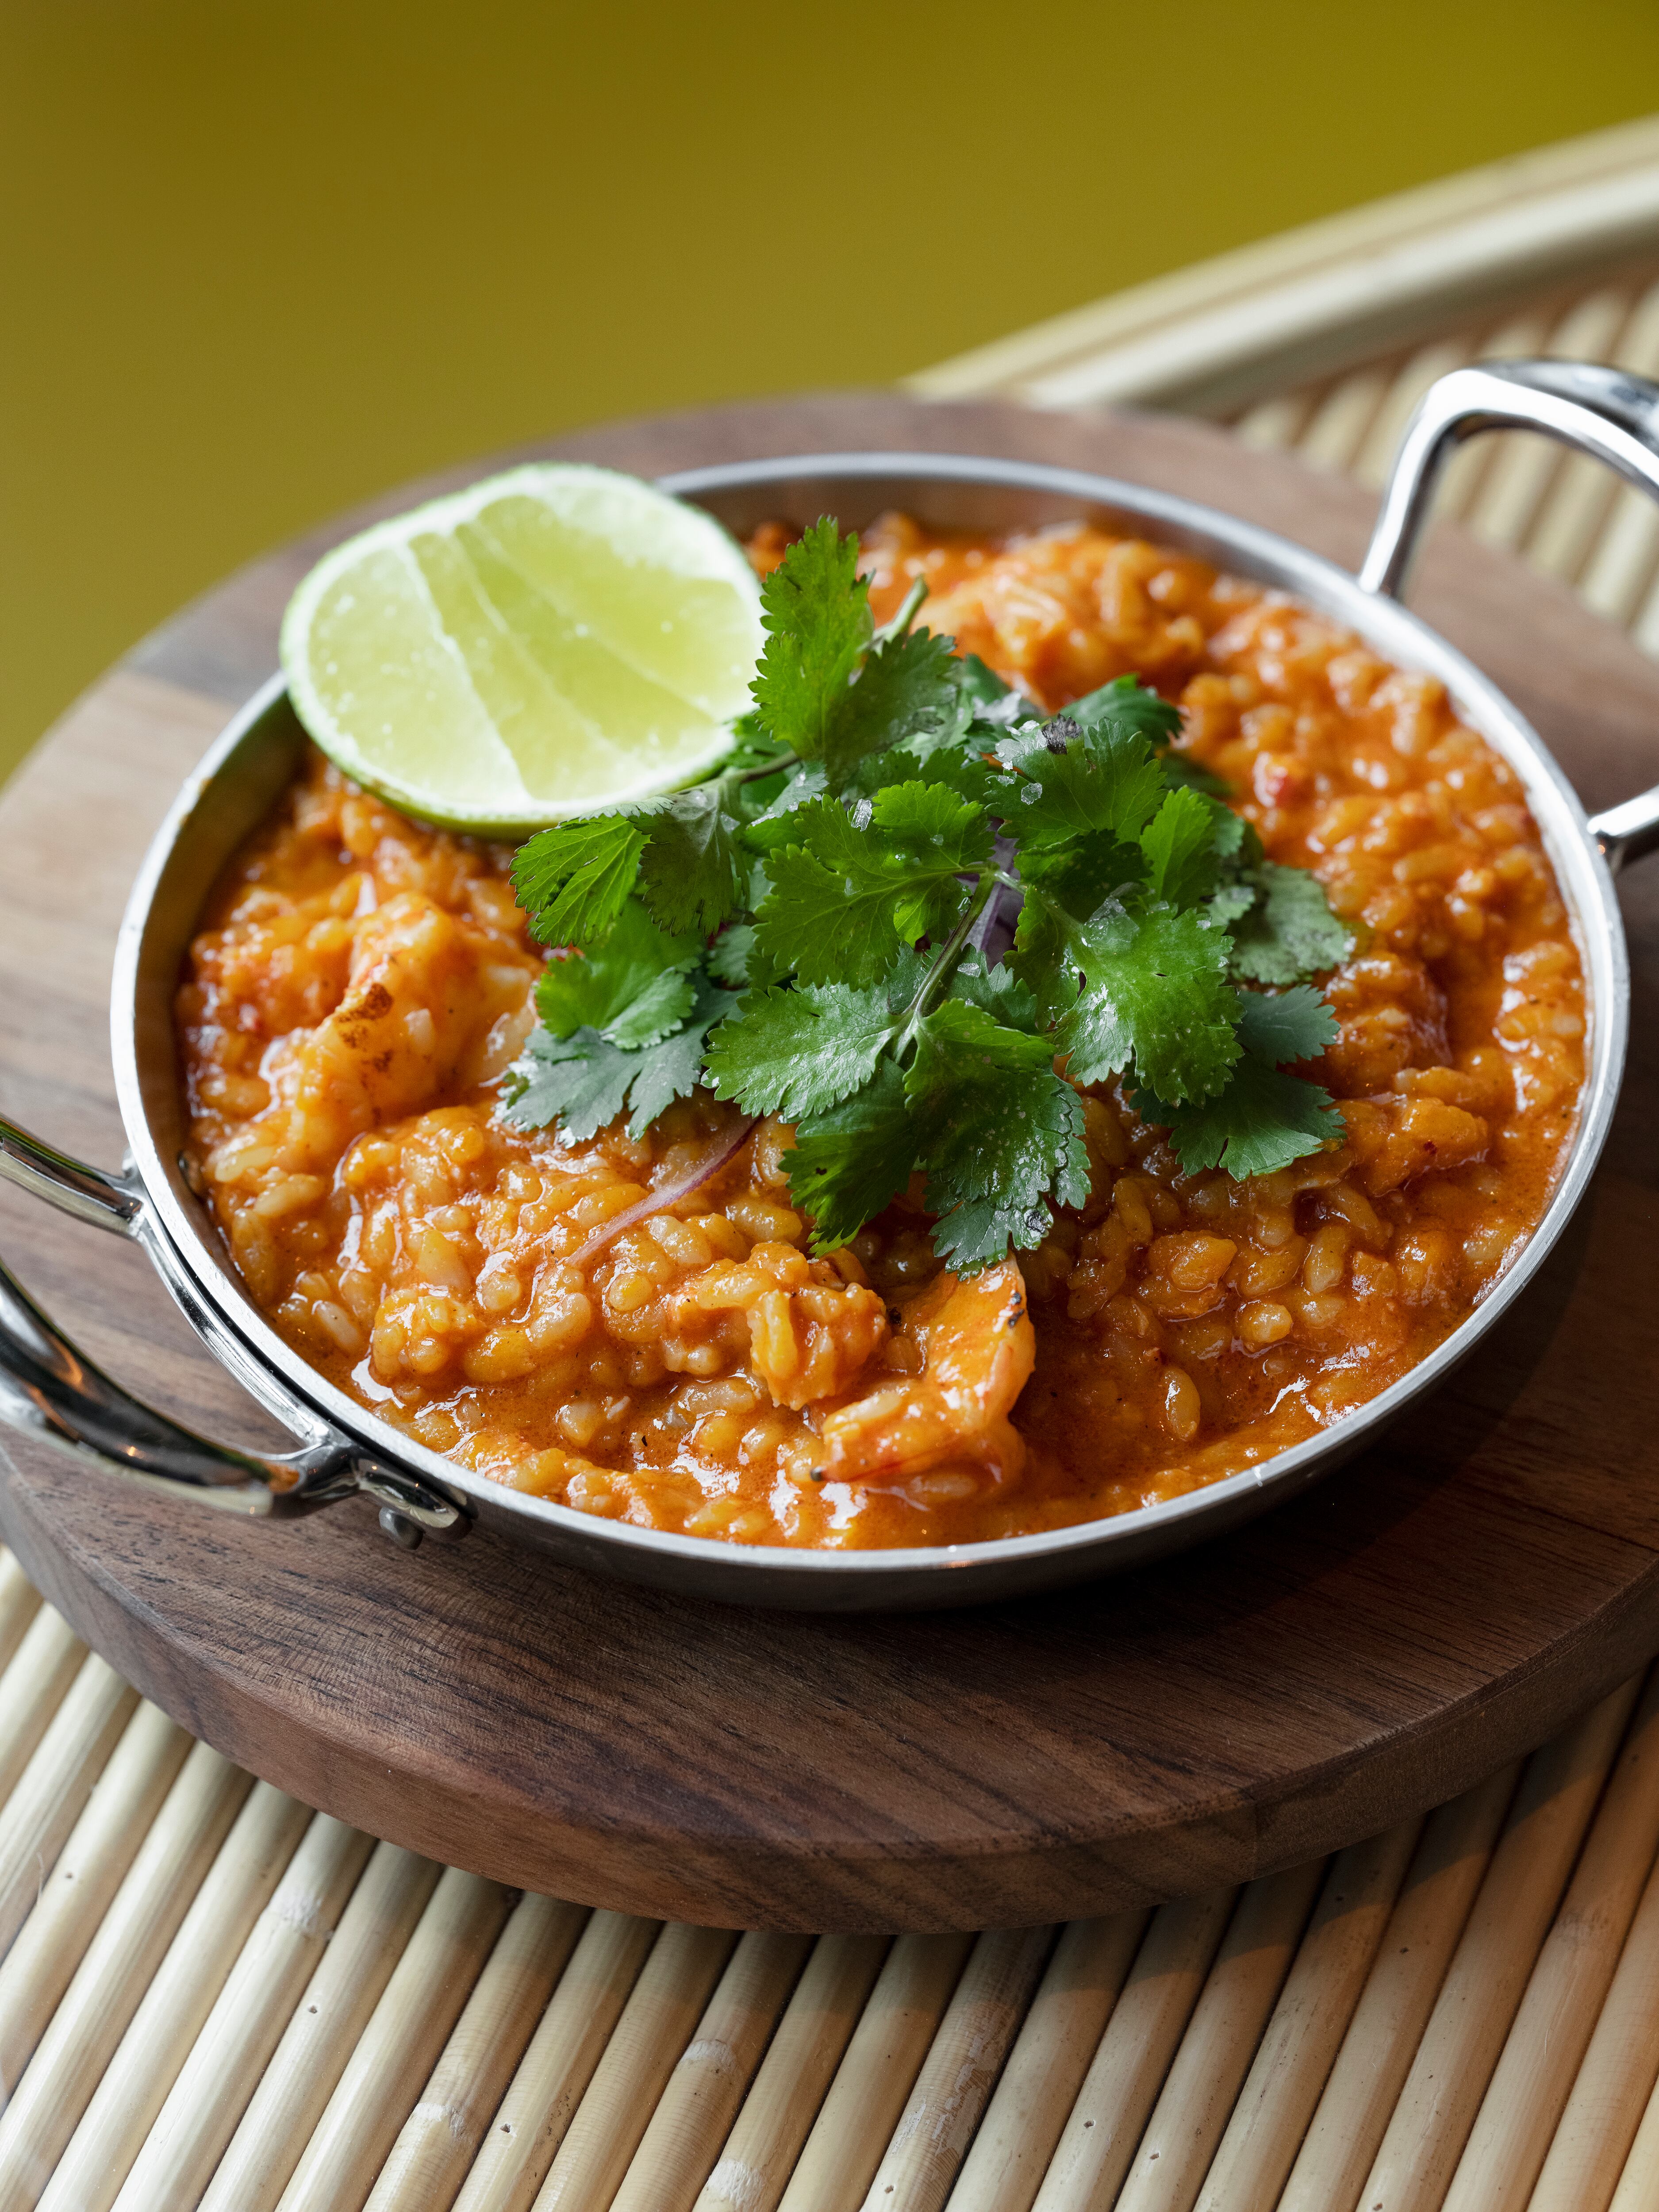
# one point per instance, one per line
(980, 683)
(807, 781)
(1263, 1119)
(799, 1052)
(661, 1005)
(729, 956)
(736, 959)
(1286, 1025)
(1155, 997)
(850, 1162)
(1084, 874)
(907, 689)
(928, 824)
(1226, 906)
(1236, 839)
(1187, 774)
(753, 746)
(582, 1082)
(1127, 708)
(673, 1068)
(779, 827)
(573, 879)
(631, 986)
(815, 609)
(1179, 845)
(850, 893)
(999, 1133)
(945, 766)
(694, 872)
(1263, 1122)
(1080, 788)
(997, 990)
(813, 919)
(1289, 931)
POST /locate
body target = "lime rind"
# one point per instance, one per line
(552, 641)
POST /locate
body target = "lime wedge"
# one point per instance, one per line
(552, 641)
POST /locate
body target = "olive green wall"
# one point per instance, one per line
(262, 260)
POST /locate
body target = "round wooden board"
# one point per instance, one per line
(1432, 1610)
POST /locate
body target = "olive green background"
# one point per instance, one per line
(260, 261)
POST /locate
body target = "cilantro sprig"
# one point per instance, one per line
(810, 934)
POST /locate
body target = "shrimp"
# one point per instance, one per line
(978, 1349)
(421, 993)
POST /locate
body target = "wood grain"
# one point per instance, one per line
(1435, 1608)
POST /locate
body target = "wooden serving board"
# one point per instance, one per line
(1430, 1610)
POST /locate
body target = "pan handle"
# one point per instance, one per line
(51, 1391)
(1607, 413)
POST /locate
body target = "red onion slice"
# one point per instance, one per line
(670, 1194)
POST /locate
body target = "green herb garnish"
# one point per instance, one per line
(812, 932)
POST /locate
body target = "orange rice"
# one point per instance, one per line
(360, 984)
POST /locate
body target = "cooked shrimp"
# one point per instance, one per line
(977, 1349)
(425, 989)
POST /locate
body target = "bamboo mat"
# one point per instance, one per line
(212, 1997)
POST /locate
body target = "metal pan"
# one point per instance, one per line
(49, 1390)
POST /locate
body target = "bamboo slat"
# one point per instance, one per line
(101, 1846)
(1272, 425)
(1341, 420)
(1619, 558)
(53, 1788)
(1405, 388)
(1578, 514)
(1638, 2185)
(1134, 2054)
(1523, 468)
(1045, 2069)
(429, 2160)
(180, 1997)
(1424, 1930)
(695, 2110)
(20, 1602)
(395, 2052)
(161, 1888)
(784, 2098)
(1552, 2030)
(323, 2032)
(1271, 2113)
(555, 2071)
(45, 1661)
(656, 2025)
(249, 2014)
(962, 2060)
(1528, 333)
(1598, 2125)
(1221, 2039)
(1489, 1970)
(877, 2073)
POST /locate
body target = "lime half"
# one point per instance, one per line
(552, 641)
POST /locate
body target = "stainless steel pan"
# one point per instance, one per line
(49, 1390)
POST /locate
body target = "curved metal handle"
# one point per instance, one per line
(106, 1201)
(1604, 412)
(51, 1391)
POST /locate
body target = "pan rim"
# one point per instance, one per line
(785, 1575)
